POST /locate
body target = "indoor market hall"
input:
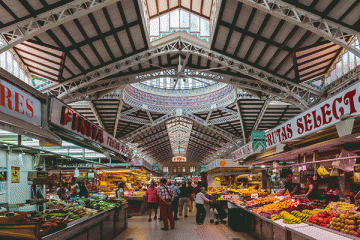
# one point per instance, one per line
(179, 119)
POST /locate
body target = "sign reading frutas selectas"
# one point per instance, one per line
(20, 104)
(65, 117)
(321, 116)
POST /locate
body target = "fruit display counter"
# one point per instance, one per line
(67, 220)
(136, 202)
(291, 219)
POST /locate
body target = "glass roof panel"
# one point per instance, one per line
(183, 83)
(179, 20)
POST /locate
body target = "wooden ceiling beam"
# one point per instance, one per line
(245, 30)
(298, 44)
(235, 19)
(97, 29)
(259, 32)
(59, 43)
(283, 45)
(272, 37)
(84, 34)
(71, 39)
(123, 18)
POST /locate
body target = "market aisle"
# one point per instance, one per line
(185, 229)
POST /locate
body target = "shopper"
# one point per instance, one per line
(166, 196)
(63, 192)
(120, 191)
(293, 188)
(175, 203)
(184, 200)
(191, 196)
(152, 200)
(200, 209)
(313, 190)
(197, 188)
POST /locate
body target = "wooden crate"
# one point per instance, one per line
(9, 220)
(21, 231)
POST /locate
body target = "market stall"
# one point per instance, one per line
(136, 178)
(67, 220)
(286, 220)
(226, 177)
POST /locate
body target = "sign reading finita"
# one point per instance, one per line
(65, 117)
(19, 103)
(179, 159)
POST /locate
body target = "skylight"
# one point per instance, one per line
(179, 20)
(179, 130)
(183, 84)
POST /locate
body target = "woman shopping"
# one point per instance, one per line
(200, 199)
(313, 190)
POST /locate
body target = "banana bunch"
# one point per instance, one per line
(322, 171)
(304, 217)
(313, 212)
(288, 218)
(274, 217)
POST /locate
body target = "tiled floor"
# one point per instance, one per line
(185, 229)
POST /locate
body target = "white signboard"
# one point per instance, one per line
(222, 163)
(321, 116)
(243, 152)
(254, 195)
(18, 103)
(67, 118)
(229, 197)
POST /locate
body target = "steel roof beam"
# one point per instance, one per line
(318, 25)
(261, 115)
(241, 121)
(182, 42)
(96, 114)
(118, 117)
(29, 28)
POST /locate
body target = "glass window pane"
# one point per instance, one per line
(164, 23)
(194, 23)
(22, 76)
(345, 60)
(184, 19)
(204, 28)
(16, 68)
(154, 27)
(184, 169)
(3, 60)
(174, 19)
(352, 61)
(9, 59)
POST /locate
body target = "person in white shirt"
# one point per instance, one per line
(200, 210)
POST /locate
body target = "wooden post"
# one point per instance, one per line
(19, 140)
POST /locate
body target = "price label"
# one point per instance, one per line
(254, 195)
(337, 210)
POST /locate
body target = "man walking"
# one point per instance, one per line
(175, 203)
(166, 196)
(191, 195)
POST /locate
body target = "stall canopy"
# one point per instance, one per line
(23, 109)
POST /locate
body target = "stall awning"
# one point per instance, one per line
(16, 125)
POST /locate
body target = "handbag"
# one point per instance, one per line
(168, 192)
